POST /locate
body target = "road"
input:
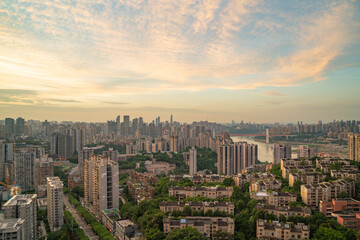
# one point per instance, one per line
(79, 220)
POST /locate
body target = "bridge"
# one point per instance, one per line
(260, 135)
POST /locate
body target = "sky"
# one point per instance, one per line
(252, 60)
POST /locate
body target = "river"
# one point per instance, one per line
(265, 150)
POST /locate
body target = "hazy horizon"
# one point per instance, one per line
(258, 61)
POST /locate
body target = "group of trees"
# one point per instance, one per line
(98, 228)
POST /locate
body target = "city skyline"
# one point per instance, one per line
(219, 61)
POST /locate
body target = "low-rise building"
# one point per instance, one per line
(312, 194)
(12, 229)
(274, 198)
(109, 217)
(297, 169)
(227, 207)
(336, 205)
(295, 162)
(199, 178)
(140, 186)
(285, 210)
(207, 226)
(241, 179)
(280, 231)
(345, 174)
(127, 230)
(210, 192)
(306, 178)
(264, 185)
(348, 219)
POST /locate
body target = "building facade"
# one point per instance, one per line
(55, 212)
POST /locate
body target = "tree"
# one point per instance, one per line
(229, 182)
(325, 233)
(187, 233)
(186, 210)
(154, 234)
(343, 194)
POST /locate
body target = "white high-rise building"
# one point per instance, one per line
(192, 161)
(55, 211)
(23, 207)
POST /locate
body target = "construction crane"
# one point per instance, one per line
(13, 189)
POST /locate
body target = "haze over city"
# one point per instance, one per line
(261, 61)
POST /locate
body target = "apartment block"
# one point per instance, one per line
(264, 185)
(109, 218)
(286, 211)
(345, 174)
(324, 163)
(349, 220)
(55, 212)
(207, 226)
(307, 152)
(24, 168)
(101, 184)
(192, 161)
(199, 179)
(279, 231)
(141, 186)
(234, 157)
(227, 207)
(12, 229)
(23, 207)
(299, 169)
(43, 168)
(354, 146)
(295, 162)
(241, 179)
(274, 198)
(84, 153)
(338, 205)
(312, 194)
(306, 178)
(211, 192)
(281, 152)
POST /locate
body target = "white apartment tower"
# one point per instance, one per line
(192, 161)
(23, 207)
(101, 184)
(55, 210)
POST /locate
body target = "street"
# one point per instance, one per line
(80, 221)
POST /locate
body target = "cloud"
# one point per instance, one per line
(115, 103)
(273, 93)
(80, 51)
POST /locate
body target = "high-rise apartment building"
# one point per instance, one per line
(307, 152)
(55, 212)
(112, 126)
(61, 145)
(101, 184)
(23, 207)
(12, 229)
(281, 151)
(20, 127)
(354, 147)
(6, 158)
(232, 158)
(84, 153)
(9, 127)
(192, 161)
(24, 168)
(43, 168)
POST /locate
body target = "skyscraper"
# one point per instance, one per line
(55, 212)
(9, 127)
(192, 161)
(281, 151)
(171, 119)
(20, 127)
(61, 145)
(354, 146)
(101, 184)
